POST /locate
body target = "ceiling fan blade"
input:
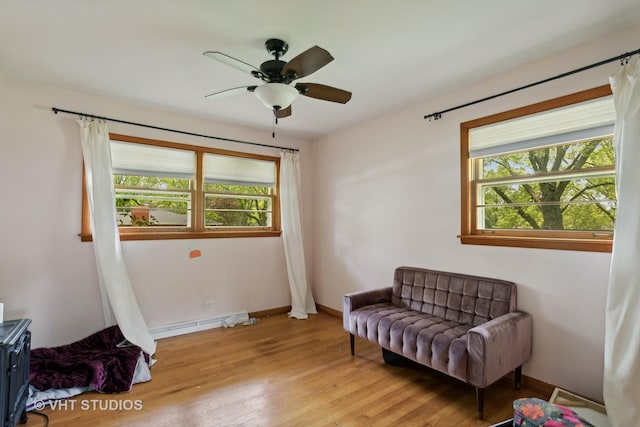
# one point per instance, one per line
(230, 92)
(309, 61)
(326, 93)
(231, 61)
(285, 112)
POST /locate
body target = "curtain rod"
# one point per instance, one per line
(59, 110)
(623, 58)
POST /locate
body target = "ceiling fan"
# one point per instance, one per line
(277, 93)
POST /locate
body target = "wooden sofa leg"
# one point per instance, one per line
(480, 402)
(352, 340)
(518, 377)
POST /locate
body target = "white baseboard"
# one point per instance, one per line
(181, 328)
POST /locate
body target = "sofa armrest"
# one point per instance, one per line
(355, 300)
(497, 347)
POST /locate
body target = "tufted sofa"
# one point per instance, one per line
(465, 326)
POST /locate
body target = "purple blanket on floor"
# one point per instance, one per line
(95, 362)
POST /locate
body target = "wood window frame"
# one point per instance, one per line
(197, 230)
(541, 239)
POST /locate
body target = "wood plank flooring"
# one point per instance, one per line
(284, 372)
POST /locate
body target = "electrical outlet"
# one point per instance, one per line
(210, 303)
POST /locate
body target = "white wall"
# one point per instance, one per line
(49, 276)
(387, 193)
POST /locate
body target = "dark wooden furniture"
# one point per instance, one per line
(15, 346)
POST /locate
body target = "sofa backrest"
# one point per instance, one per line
(471, 300)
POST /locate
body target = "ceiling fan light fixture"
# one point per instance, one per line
(276, 96)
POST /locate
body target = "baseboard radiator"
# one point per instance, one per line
(181, 328)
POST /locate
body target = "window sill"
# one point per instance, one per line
(590, 245)
(188, 235)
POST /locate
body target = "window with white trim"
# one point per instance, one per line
(165, 190)
(542, 176)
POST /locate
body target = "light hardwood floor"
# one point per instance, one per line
(285, 372)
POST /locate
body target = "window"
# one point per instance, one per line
(237, 192)
(541, 176)
(165, 190)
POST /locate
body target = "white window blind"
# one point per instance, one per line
(147, 160)
(221, 169)
(586, 120)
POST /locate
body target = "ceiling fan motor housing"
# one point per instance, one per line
(272, 69)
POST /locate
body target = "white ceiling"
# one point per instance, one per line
(388, 53)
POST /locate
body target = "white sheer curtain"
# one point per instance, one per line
(302, 302)
(622, 326)
(118, 300)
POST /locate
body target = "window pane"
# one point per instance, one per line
(576, 156)
(595, 217)
(143, 201)
(222, 169)
(585, 120)
(148, 160)
(519, 190)
(155, 182)
(237, 211)
(560, 205)
(236, 189)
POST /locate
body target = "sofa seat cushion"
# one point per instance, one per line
(427, 339)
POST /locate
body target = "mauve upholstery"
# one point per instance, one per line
(465, 326)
